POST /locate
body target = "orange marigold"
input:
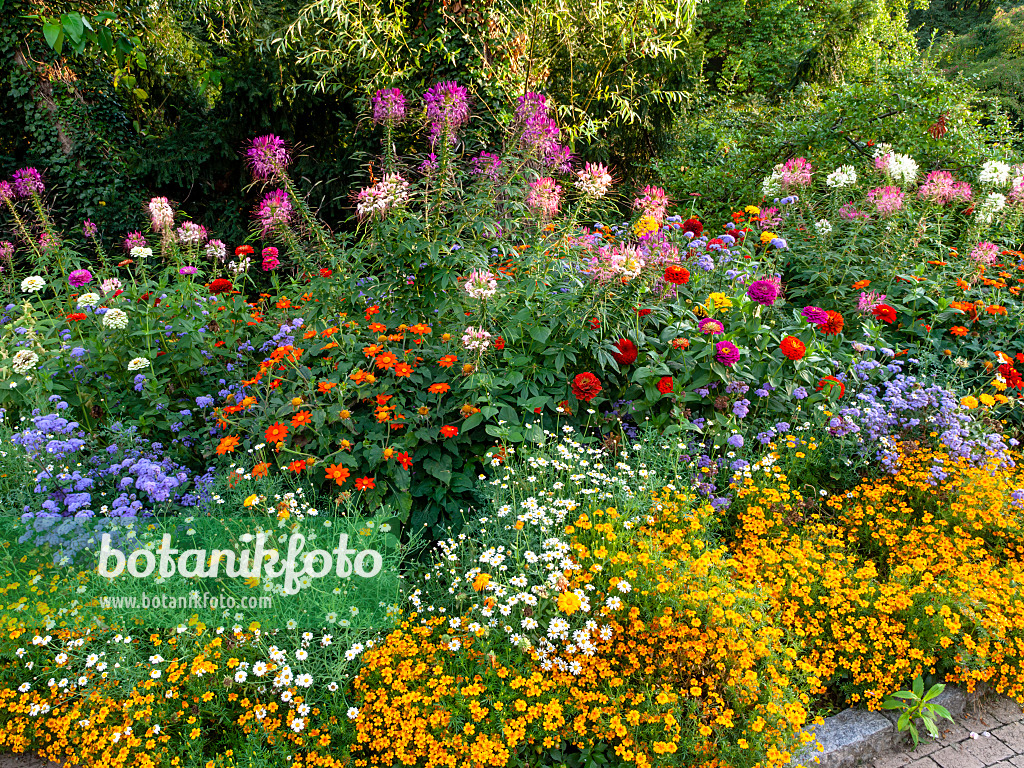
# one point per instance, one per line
(227, 445)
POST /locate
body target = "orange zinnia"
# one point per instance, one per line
(448, 361)
(439, 389)
(365, 484)
(958, 330)
(861, 284)
(385, 360)
(337, 473)
(403, 370)
(276, 433)
(302, 418)
(227, 445)
(260, 470)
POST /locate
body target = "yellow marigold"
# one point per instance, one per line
(481, 581)
(647, 225)
(969, 402)
(767, 237)
(718, 301)
(569, 603)
(987, 400)
(753, 210)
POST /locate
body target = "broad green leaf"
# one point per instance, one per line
(52, 33)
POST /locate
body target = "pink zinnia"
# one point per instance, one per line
(726, 353)
(270, 260)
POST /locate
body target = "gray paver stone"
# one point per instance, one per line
(1012, 735)
(924, 762)
(895, 760)
(847, 738)
(1002, 709)
(954, 757)
(1018, 761)
(988, 749)
(951, 733)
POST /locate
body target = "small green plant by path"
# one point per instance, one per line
(915, 704)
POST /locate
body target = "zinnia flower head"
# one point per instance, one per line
(268, 156)
(275, 210)
(28, 182)
(764, 292)
(586, 386)
(726, 353)
(270, 260)
(710, 327)
(80, 277)
(625, 352)
(814, 315)
(447, 106)
(388, 105)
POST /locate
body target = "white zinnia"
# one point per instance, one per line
(111, 285)
(33, 284)
(25, 361)
(843, 176)
(88, 300)
(115, 318)
(138, 363)
(140, 252)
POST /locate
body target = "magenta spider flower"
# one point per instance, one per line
(274, 211)
(28, 182)
(6, 191)
(388, 105)
(134, 240)
(268, 156)
(940, 187)
(89, 229)
(544, 196)
(887, 200)
(447, 109)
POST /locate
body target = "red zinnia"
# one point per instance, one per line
(498, 343)
(625, 352)
(677, 275)
(833, 382)
(885, 313)
(586, 387)
(833, 325)
(666, 384)
(325, 272)
(76, 316)
(220, 285)
(793, 348)
(693, 225)
(449, 431)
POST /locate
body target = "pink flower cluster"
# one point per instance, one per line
(985, 253)
(794, 173)
(653, 202)
(544, 196)
(887, 200)
(940, 187)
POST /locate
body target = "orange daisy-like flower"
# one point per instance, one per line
(297, 466)
(439, 389)
(403, 370)
(260, 470)
(326, 386)
(449, 431)
(337, 473)
(377, 327)
(227, 445)
(420, 329)
(448, 361)
(283, 304)
(276, 433)
(365, 484)
(861, 284)
(372, 350)
(996, 309)
(385, 360)
(958, 330)
(302, 418)
(309, 334)
(404, 459)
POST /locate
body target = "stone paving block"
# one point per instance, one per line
(924, 762)
(950, 733)
(954, 757)
(1002, 709)
(846, 739)
(925, 747)
(895, 760)
(1003, 764)
(1011, 735)
(1018, 761)
(988, 749)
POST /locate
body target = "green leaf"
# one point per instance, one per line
(540, 333)
(140, 94)
(472, 421)
(918, 687)
(934, 691)
(941, 711)
(891, 704)
(53, 34)
(73, 26)
(903, 722)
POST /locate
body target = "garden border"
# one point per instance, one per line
(856, 735)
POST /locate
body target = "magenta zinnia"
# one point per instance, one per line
(726, 353)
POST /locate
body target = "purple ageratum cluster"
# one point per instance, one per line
(388, 106)
(275, 210)
(906, 408)
(28, 182)
(447, 106)
(763, 292)
(267, 156)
